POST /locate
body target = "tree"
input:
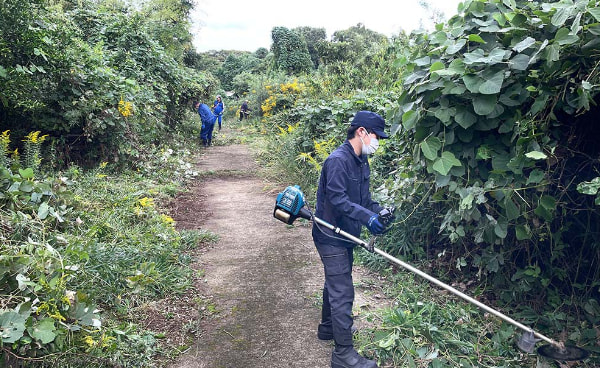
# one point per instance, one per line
(234, 65)
(351, 44)
(290, 51)
(312, 37)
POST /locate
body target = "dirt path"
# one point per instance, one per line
(262, 277)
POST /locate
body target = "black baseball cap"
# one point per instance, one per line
(370, 121)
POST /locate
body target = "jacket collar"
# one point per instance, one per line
(348, 147)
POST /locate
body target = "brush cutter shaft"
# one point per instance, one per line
(462, 295)
(341, 232)
(412, 269)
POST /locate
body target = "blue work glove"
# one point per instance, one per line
(375, 226)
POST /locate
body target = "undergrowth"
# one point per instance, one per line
(83, 250)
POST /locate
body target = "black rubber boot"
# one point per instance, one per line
(346, 357)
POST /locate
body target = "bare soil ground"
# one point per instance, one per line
(257, 289)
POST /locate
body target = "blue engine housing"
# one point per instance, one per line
(291, 200)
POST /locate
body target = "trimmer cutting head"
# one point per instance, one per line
(563, 353)
(556, 351)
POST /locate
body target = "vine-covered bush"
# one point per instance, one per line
(497, 115)
(290, 51)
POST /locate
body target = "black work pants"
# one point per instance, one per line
(338, 292)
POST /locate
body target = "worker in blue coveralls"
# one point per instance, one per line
(208, 122)
(218, 108)
(344, 200)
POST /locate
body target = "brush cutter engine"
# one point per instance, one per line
(289, 205)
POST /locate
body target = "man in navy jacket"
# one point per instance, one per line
(208, 122)
(344, 200)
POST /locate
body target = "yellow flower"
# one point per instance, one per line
(5, 140)
(125, 108)
(167, 220)
(89, 340)
(34, 137)
(57, 316)
(103, 164)
(268, 105)
(146, 202)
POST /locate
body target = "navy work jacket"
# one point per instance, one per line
(343, 196)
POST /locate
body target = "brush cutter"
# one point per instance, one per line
(290, 205)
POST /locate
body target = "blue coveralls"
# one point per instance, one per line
(218, 110)
(343, 200)
(208, 123)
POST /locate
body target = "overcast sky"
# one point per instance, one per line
(246, 25)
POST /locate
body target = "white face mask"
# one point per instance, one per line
(371, 148)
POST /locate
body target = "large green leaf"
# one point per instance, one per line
(409, 119)
(519, 62)
(26, 186)
(546, 208)
(12, 326)
(457, 66)
(523, 232)
(493, 82)
(43, 331)
(512, 210)
(444, 114)
(548, 202)
(524, 45)
(456, 46)
(536, 155)
(484, 104)
(589, 187)
(464, 118)
(536, 177)
(564, 37)
(438, 65)
(43, 210)
(476, 38)
(595, 12)
(26, 173)
(501, 230)
(430, 147)
(446, 162)
(472, 82)
(560, 17)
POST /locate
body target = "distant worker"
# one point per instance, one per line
(208, 122)
(218, 108)
(344, 200)
(244, 110)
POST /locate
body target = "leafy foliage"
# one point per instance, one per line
(65, 70)
(290, 51)
(496, 119)
(80, 252)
